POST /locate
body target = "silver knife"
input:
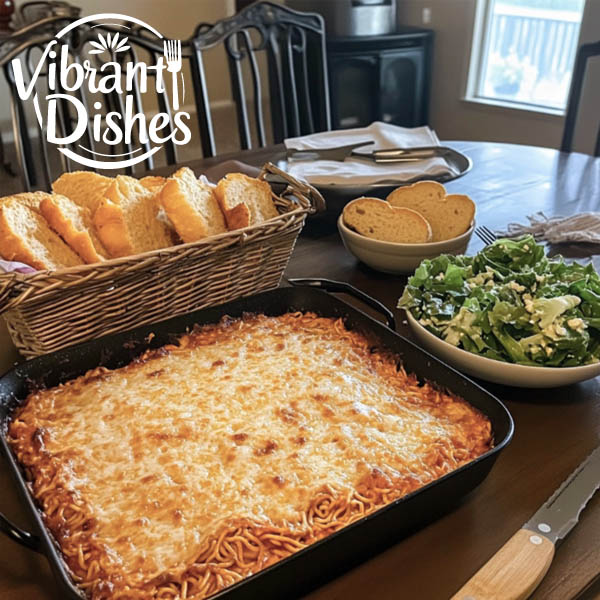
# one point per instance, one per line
(388, 155)
(519, 566)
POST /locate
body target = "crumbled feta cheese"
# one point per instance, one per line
(559, 329)
(576, 324)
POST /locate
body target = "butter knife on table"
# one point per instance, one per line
(519, 566)
(388, 155)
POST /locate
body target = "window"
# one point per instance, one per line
(525, 51)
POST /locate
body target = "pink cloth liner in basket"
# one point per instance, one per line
(7, 266)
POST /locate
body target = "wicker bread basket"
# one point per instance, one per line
(47, 310)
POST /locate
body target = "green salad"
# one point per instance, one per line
(512, 303)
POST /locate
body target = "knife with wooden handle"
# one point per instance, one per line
(519, 566)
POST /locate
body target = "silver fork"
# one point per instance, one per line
(172, 51)
(487, 236)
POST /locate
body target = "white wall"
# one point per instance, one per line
(454, 118)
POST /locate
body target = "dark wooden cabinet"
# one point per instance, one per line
(380, 78)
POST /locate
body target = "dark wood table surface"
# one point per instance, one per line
(554, 429)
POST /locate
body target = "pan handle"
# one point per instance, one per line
(339, 286)
(29, 540)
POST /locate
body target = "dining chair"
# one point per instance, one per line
(292, 44)
(39, 161)
(585, 52)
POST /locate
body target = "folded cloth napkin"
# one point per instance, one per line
(584, 227)
(361, 172)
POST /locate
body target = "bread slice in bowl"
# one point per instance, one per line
(377, 219)
(449, 216)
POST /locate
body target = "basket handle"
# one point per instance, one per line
(308, 195)
(340, 286)
(29, 540)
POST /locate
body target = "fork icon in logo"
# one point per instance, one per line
(172, 52)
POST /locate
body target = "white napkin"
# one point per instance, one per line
(584, 227)
(360, 172)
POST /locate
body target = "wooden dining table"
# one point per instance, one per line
(555, 429)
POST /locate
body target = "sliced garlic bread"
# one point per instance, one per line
(245, 200)
(26, 237)
(449, 216)
(127, 222)
(30, 199)
(153, 183)
(377, 219)
(85, 188)
(191, 206)
(74, 224)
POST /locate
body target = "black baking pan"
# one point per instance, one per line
(326, 558)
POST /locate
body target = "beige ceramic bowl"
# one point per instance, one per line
(498, 371)
(391, 257)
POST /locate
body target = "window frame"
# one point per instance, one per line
(479, 50)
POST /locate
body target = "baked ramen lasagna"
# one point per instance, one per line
(203, 462)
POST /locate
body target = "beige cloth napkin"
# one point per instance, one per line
(584, 227)
(355, 171)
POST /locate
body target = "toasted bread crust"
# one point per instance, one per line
(14, 246)
(449, 215)
(81, 241)
(85, 188)
(242, 211)
(153, 182)
(112, 229)
(377, 219)
(177, 199)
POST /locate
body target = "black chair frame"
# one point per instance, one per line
(299, 102)
(36, 173)
(585, 52)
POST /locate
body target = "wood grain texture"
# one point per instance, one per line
(554, 429)
(513, 572)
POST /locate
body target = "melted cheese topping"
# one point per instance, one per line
(245, 420)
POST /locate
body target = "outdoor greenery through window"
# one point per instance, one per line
(527, 51)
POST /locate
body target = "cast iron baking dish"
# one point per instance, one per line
(326, 558)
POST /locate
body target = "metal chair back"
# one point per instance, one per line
(39, 161)
(585, 52)
(293, 44)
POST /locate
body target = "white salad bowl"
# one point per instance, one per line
(396, 258)
(498, 371)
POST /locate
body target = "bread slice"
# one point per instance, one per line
(127, 222)
(377, 219)
(74, 224)
(26, 237)
(191, 206)
(153, 183)
(245, 200)
(85, 188)
(30, 199)
(449, 216)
